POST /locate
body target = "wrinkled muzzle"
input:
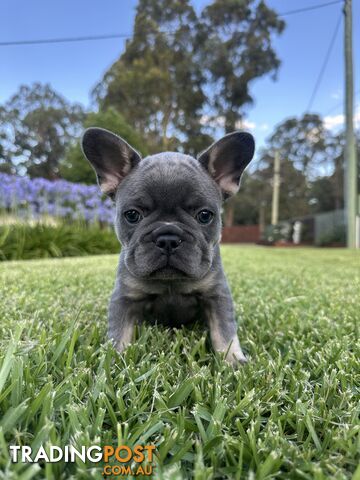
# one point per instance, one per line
(168, 250)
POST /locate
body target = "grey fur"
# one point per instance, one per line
(169, 189)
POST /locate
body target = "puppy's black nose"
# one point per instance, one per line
(168, 243)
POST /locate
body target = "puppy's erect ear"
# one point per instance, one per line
(110, 156)
(227, 158)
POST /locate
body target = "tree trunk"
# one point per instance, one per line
(229, 208)
(229, 213)
(230, 121)
(165, 124)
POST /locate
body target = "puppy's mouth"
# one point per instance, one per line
(168, 272)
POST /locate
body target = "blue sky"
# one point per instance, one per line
(74, 68)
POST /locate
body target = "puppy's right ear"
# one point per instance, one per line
(111, 157)
(226, 159)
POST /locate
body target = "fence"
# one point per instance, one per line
(329, 225)
(241, 234)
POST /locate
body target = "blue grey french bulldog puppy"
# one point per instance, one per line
(168, 221)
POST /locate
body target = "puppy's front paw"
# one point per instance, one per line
(234, 354)
(230, 349)
(120, 346)
(122, 337)
(236, 357)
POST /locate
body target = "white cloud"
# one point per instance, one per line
(219, 122)
(245, 124)
(333, 122)
(215, 122)
(337, 95)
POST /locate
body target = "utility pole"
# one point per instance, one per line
(262, 218)
(276, 190)
(350, 170)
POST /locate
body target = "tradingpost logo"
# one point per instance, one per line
(117, 461)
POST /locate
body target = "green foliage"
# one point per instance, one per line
(290, 413)
(336, 235)
(327, 192)
(178, 64)
(75, 168)
(5, 159)
(24, 241)
(236, 43)
(280, 232)
(243, 208)
(294, 190)
(306, 150)
(323, 193)
(256, 193)
(157, 83)
(36, 126)
(303, 142)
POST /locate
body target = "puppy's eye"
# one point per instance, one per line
(204, 217)
(132, 216)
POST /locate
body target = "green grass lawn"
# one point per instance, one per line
(291, 413)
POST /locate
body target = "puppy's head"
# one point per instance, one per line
(168, 205)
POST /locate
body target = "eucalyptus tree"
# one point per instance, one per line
(38, 124)
(157, 83)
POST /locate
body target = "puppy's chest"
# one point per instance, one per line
(173, 309)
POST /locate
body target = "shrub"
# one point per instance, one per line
(75, 167)
(337, 235)
(25, 241)
(279, 232)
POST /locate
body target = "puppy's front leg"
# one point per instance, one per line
(223, 328)
(123, 315)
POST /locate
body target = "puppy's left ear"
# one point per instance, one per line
(226, 159)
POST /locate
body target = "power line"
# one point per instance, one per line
(324, 65)
(65, 39)
(87, 38)
(340, 104)
(312, 7)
